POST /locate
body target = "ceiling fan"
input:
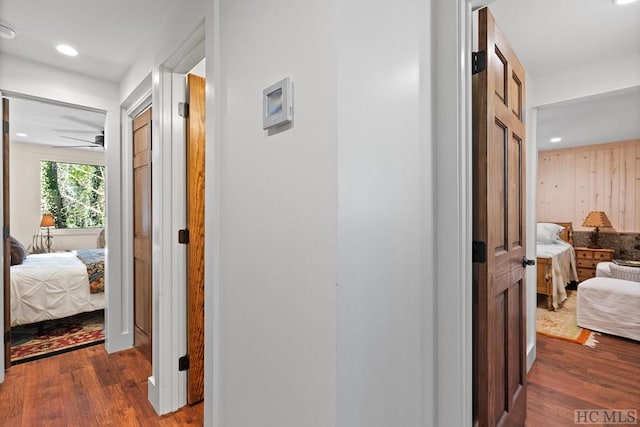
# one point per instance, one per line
(98, 142)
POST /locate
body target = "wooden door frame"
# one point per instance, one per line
(453, 139)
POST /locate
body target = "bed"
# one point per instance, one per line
(56, 285)
(556, 260)
(609, 302)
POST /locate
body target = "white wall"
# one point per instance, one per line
(384, 188)
(25, 193)
(171, 35)
(322, 247)
(200, 69)
(276, 269)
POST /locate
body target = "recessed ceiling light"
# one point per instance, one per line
(67, 50)
(6, 32)
(623, 2)
(555, 139)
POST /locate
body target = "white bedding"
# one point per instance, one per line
(51, 286)
(610, 305)
(563, 267)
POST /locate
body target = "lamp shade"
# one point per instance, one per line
(47, 221)
(596, 219)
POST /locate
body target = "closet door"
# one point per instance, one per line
(195, 224)
(142, 232)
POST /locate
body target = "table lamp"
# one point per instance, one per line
(596, 219)
(47, 222)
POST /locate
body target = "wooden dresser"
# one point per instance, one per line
(588, 258)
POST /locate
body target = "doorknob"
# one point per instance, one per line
(526, 261)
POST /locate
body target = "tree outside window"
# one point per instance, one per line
(73, 193)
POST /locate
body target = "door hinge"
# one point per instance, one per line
(7, 337)
(183, 363)
(183, 236)
(5, 127)
(478, 61)
(479, 252)
(6, 231)
(183, 109)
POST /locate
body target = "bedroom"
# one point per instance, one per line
(57, 169)
(258, 261)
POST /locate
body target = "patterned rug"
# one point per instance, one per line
(58, 336)
(562, 324)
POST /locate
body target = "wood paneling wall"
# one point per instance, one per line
(604, 177)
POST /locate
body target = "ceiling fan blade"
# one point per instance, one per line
(77, 139)
(74, 146)
(77, 146)
(87, 132)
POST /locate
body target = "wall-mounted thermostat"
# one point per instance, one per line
(277, 104)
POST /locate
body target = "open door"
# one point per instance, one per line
(195, 224)
(142, 296)
(5, 234)
(499, 291)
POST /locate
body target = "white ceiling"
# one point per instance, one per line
(553, 35)
(614, 116)
(108, 36)
(548, 35)
(52, 124)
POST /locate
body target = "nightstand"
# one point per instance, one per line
(588, 259)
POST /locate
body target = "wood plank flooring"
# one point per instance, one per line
(568, 376)
(87, 387)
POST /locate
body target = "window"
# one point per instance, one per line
(73, 193)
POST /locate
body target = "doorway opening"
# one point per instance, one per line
(54, 190)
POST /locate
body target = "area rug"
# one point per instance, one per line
(562, 323)
(58, 336)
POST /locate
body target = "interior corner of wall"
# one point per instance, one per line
(153, 395)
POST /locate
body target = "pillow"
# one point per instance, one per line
(18, 252)
(548, 233)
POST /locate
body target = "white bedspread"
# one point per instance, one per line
(563, 267)
(50, 286)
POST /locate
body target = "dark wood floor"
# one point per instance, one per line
(568, 376)
(86, 387)
(90, 388)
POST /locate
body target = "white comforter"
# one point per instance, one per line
(563, 267)
(50, 286)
